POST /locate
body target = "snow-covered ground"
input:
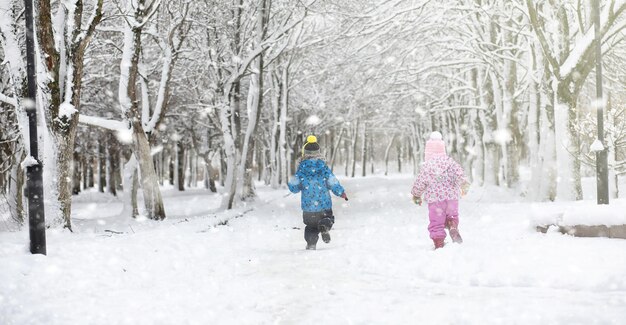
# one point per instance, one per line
(379, 267)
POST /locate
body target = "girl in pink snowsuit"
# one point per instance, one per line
(442, 182)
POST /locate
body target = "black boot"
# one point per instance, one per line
(325, 233)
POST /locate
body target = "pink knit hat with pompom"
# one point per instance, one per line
(435, 146)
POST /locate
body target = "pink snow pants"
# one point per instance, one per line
(442, 213)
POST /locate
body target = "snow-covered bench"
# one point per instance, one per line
(585, 220)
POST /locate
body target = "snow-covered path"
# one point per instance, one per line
(379, 267)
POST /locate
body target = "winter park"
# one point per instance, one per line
(312, 162)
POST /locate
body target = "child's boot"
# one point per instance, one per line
(310, 235)
(456, 237)
(438, 242)
(453, 227)
(325, 234)
(324, 226)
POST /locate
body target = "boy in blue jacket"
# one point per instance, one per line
(314, 179)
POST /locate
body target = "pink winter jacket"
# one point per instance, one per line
(440, 178)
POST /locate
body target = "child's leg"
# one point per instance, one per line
(325, 224)
(452, 220)
(452, 214)
(327, 219)
(311, 235)
(311, 231)
(437, 217)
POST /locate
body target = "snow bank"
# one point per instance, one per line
(591, 215)
(579, 213)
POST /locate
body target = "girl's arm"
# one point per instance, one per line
(460, 179)
(420, 185)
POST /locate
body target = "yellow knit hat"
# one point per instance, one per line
(311, 144)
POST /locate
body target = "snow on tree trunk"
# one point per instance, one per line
(488, 120)
(127, 92)
(254, 104)
(547, 150)
(61, 49)
(14, 62)
(231, 151)
(130, 183)
(245, 185)
(500, 134)
(15, 197)
(613, 154)
(153, 202)
(477, 131)
(282, 135)
(534, 134)
(274, 143)
(568, 170)
(513, 145)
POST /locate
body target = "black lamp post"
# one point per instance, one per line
(602, 173)
(34, 179)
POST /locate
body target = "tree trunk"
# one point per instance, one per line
(255, 102)
(260, 162)
(102, 177)
(171, 166)
(354, 146)
(282, 135)
(131, 183)
(399, 148)
(534, 130)
(209, 181)
(613, 154)
(371, 154)
(512, 153)
(15, 198)
(347, 157)
(127, 92)
(76, 167)
(115, 178)
(180, 165)
(364, 151)
(568, 166)
(153, 202)
(84, 164)
(192, 163)
(91, 179)
(387, 150)
(335, 149)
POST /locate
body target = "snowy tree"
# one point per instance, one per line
(62, 42)
(566, 38)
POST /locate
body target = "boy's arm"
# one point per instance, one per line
(332, 183)
(294, 183)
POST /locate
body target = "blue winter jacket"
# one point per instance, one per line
(314, 179)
